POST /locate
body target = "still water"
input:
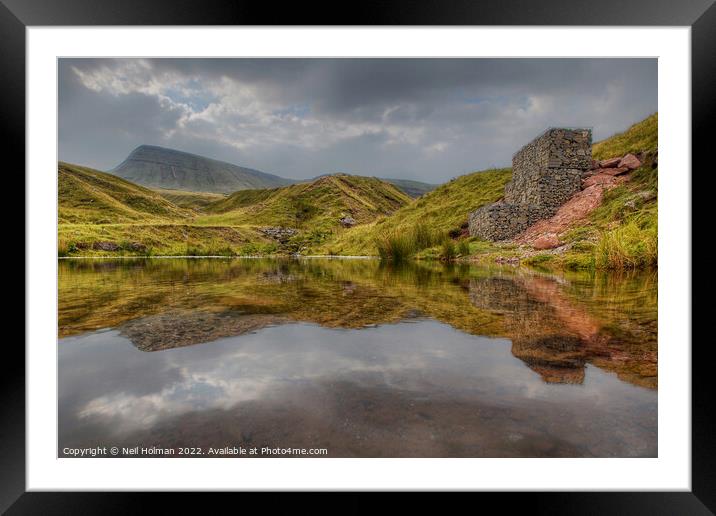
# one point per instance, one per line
(356, 358)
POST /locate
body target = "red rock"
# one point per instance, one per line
(595, 164)
(546, 242)
(609, 163)
(630, 161)
(598, 179)
(614, 171)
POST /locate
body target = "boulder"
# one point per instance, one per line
(609, 163)
(549, 241)
(105, 246)
(614, 171)
(138, 247)
(279, 233)
(630, 161)
(348, 222)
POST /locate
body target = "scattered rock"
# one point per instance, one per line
(348, 222)
(507, 261)
(614, 171)
(548, 241)
(137, 247)
(609, 163)
(279, 233)
(640, 197)
(105, 246)
(630, 161)
(646, 195)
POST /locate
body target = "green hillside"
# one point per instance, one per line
(101, 214)
(442, 210)
(314, 208)
(640, 137)
(90, 196)
(190, 200)
(354, 215)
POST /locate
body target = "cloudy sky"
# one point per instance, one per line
(424, 119)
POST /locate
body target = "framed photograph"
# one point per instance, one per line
(423, 249)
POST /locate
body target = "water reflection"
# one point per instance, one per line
(358, 357)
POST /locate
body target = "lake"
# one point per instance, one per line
(354, 358)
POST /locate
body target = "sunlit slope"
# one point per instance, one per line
(445, 208)
(89, 196)
(190, 200)
(320, 204)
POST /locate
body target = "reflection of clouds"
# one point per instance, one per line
(105, 380)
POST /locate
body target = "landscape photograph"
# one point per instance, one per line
(358, 257)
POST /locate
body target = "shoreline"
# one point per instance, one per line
(252, 257)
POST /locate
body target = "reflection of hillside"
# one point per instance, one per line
(187, 327)
(556, 326)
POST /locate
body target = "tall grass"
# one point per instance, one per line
(448, 251)
(401, 245)
(463, 247)
(629, 246)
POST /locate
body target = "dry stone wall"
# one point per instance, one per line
(545, 174)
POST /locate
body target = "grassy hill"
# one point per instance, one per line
(99, 211)
(621, 233)
(102, 214)
(442, 210)
(159, 167)
(640, 137)
(90, 196)
(314, 208)
(197, 201)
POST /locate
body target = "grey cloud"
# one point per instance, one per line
(428, 119)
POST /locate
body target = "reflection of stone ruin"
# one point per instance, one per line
(545, 174)
(555, 338)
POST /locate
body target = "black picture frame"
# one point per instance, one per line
(17, 15)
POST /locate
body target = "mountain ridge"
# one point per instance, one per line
(161, 167)
(164, 168)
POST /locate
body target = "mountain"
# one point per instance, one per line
(89, 196)
(315, 206)
(159, 167)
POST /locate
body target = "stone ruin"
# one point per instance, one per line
(545, 174)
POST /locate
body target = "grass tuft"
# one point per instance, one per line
(402, 245)
(448, 251)
(628, 247)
